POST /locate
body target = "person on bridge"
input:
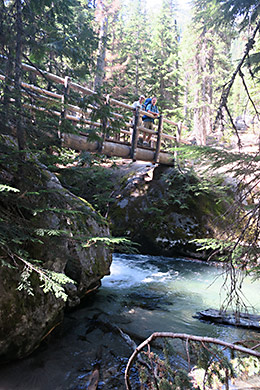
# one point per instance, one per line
(148, 121)
(139, 103)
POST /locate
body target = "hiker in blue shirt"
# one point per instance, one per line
(148, 122)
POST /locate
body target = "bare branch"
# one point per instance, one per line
(234, 126)
(247, 92)
(182, 336)
(227, 87)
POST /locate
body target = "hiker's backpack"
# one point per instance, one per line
(146, 103)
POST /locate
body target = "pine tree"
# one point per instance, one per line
(207, 64)
(163, 75)
(129, 40)
(135, 46)
(106, 12)
(56, 36)
(242, 18)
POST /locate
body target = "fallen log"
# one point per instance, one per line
(244, 320)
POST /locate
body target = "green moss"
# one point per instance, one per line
(95, 184)
(86, 203)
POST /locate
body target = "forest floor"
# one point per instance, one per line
(249, 141)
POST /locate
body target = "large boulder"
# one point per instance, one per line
(164, 210)
(59, 223)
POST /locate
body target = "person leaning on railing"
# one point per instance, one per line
(138, 104)
(148, 122)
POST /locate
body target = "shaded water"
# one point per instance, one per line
(143, 294)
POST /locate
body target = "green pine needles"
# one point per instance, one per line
(238, 245)
(50, 281)
(14, 238)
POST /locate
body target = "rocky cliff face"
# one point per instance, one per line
(45, 207)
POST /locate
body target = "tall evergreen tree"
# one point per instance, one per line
(207, 63)
(59, 31)
(136, 43)
(129, 41)
(106, 13)
(163, 75)
(102, 18)
(51, 35)
(241, 16)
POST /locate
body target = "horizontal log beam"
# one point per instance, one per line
(36, 89)
(36, 108)
(121, 104)
(56, 113)
(41, 90)
(168, 136)
(110, 148)
(145, 130)
(80, 88)
(78, 109)
(39, 72)
(170, 122)
(77, 119)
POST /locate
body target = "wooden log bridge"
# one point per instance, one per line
(110, 148)
(125, 142)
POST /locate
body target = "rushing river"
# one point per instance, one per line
(163, 294)
(143, 294)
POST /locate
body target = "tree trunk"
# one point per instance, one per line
(100, 71)
(203, 96)
(177, 67)
(7, 84)
(185, 103)
(137, 74)
(18, 76)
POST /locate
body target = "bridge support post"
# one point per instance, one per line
(159, 139)
(65, 97)
(64, 102)
(135, 134)
(178, 134)
(104, 126)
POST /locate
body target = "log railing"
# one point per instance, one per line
(129, 135)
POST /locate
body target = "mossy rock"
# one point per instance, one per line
(51, 225)
(166, 213)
